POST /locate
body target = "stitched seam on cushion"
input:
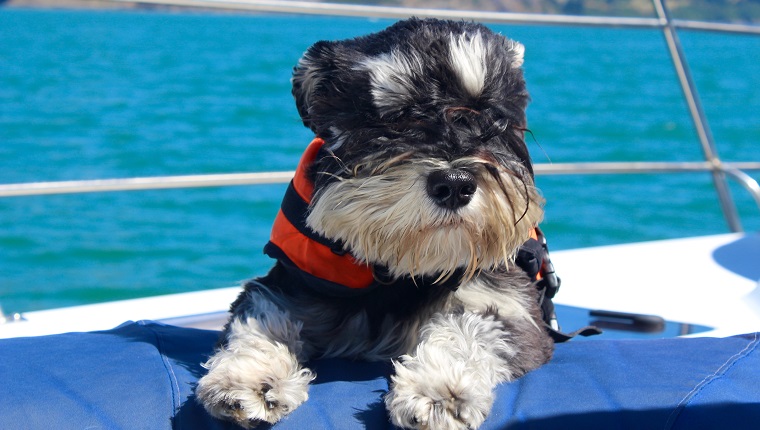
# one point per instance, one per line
(169, 371)
(722, 370)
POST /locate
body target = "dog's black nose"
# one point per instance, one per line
(451, 188)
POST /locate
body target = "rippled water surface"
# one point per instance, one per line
(88, 95)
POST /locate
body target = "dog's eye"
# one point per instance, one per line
(358, 170)
(233, 405)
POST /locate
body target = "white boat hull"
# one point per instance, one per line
(710, 281)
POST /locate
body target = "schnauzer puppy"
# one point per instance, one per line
(397, 237)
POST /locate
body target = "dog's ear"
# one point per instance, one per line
(518, 54)
(318, 81)
(312, 68)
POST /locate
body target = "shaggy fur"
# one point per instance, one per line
(424, 177)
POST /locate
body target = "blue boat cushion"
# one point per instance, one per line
(141, 376)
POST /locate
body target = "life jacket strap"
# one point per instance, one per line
(533, 258)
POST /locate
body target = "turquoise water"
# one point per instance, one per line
(88, 95)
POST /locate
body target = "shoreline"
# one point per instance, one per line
(67, 4)
(738, 11)
(98, 5)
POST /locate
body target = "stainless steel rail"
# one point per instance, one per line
(746, 181)
(359, 10)
(149, 183)
(733, 170)
(628, 167)
(730, 213)
(344, 9)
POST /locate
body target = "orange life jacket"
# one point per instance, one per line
(304, 249)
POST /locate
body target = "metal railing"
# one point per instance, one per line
(359, 10)
(718, 169)
(733, 170)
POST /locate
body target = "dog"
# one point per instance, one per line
(397, 237)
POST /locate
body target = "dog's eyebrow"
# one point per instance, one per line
(451, 110)
(376, 167)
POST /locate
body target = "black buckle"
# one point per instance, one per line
(549, 282)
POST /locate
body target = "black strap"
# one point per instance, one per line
(529, 257)
(295, 210)
(533, 258)
(586, 331)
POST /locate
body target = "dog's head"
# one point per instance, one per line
(424, 169)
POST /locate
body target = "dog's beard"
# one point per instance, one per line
(387, 218)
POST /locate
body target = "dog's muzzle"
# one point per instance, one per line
(451, 188)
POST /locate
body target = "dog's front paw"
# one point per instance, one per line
(433, 398)
(251, 388)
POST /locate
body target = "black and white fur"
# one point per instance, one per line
(424, 173)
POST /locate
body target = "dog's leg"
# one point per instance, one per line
(449, 382)
(255, 375)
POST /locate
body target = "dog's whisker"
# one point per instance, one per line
(443, 277)
(529, 131)
(474, 262)
(331, 175)
(521, 179)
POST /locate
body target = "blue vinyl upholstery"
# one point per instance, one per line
(141, 376)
